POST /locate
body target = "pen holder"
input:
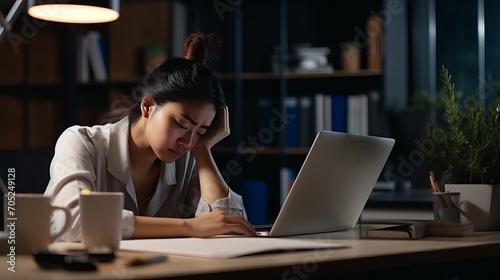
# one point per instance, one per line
(446, 207)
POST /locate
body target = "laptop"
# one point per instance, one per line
(333, 184)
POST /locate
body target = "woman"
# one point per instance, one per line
(158, 154)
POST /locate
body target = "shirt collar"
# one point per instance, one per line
(119, 160)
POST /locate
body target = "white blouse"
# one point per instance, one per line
(101, 154)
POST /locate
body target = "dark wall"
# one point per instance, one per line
(31, 170)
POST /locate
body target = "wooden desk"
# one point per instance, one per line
(475, 257)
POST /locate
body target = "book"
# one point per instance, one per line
(287, 178)
(96, 56)
(255, 197)
(306, 117)
(363, 114)
(449, 229)
(83, 71)
(291, 108)
(353, 114)
(403, 230)
(357, 114)
(319, 109)
(327, 112)
(339, 113)
(375, 121)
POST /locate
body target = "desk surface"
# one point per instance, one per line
(361, 255)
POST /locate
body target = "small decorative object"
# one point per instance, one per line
(350, 58)
(467, 149)
(375, 42)
(153, 56)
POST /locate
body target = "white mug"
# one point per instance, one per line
(100, 212)
(101, 219)
(27, 218)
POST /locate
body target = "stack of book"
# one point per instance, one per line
(413, 229)
(449, 229)
(397, 230)
(304, 58)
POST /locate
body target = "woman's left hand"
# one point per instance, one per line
(218, 132)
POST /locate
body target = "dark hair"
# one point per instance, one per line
(187, 78)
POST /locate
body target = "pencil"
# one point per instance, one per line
(433, 186)
(436, 183)
(446, 201)
(439, 199)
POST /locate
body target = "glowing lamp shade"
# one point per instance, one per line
(78, 11)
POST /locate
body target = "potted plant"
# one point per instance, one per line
(350, 57)
(467, 149)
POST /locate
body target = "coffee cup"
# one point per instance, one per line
(27, 219)
(101, 219)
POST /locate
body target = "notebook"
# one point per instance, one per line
(333, 184)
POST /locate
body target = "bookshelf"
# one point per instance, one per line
(40, 91)
(40, 95)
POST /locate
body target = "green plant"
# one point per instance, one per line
(351, 46)
(467, 147)
(425, 101)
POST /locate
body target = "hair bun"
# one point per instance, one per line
(202, 48)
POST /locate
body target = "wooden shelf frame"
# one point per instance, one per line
(301, 75)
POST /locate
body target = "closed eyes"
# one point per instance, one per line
(184, 127)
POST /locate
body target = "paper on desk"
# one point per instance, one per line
(223, 248)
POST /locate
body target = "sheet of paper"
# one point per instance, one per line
(223, 248)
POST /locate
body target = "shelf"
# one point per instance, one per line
(302, 75)
(269, 76)
(264, 151)
(52, 90)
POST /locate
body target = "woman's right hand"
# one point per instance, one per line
(218, 132)
(219, 222)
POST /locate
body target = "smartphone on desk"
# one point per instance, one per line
(76, 260)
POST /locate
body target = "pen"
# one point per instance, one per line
(151, 260)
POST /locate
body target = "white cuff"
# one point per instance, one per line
(233, 204)
(127, 224)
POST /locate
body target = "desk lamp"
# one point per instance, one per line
(66, 11)
(75, 11)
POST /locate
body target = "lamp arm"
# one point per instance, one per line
(6, 22)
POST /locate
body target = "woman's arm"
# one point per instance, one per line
(210, 224)
(212, 185)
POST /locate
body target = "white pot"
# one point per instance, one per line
(481, 204)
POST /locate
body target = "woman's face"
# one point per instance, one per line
(176, 127)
